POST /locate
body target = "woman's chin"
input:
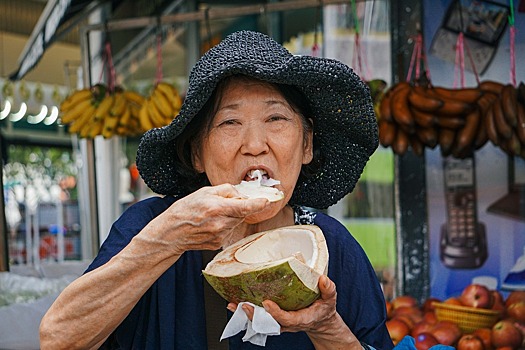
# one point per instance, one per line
(269, 213)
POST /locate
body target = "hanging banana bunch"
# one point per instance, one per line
(459, 121)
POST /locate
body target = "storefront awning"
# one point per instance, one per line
(58, 18)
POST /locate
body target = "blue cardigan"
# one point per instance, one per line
(171, 313)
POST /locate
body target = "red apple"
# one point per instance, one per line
(521, 328)
(498, 302)
(484, 334)
(425, 341)
(430, 317)
(404, 300)
(453, 301)
(412, 312)
(428, 305)
(407, 319)
(515, 295)
(504, 333)
(447, 332)
(470, 342)
(397, 329)
(476, 295)
(516, 311)
(421, 327)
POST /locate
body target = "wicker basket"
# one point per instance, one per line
(467, 318)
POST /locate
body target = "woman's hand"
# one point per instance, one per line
(320, 321)
(204, 220)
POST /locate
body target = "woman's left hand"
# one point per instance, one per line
(320, 321)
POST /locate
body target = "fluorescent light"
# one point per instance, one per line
(20, 114)
(7, 109)
(35, 119)
(52, 117)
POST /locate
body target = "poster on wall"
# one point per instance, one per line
(476, 205)
(482, 24)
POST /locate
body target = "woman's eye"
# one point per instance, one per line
(277, 118)
(228, 122)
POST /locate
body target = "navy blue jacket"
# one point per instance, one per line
(171, 313)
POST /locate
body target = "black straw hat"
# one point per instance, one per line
(344, 120)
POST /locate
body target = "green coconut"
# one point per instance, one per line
(282, 265)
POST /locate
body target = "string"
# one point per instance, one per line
(512, 45)
(112, 74)
(315, 47)
(460, 62)
(472, 63)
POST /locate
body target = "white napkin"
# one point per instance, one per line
(262, 325)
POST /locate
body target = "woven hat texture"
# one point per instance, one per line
(344, 120)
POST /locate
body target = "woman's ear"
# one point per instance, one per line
(308, 150)
(196, 160)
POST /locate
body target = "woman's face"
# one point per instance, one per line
(254, 128)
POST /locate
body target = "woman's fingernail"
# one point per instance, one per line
(326, 283)
(266, 307)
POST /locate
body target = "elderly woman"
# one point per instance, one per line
(251, 105)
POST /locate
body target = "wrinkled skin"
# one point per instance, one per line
(254, 128)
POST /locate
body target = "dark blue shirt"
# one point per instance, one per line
(171, 313)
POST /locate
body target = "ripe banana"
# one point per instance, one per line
(76, 111)
(401, 142)
(161, 102)
(509, 103)
(467, 95)
(428, 136)
(144, 118)
(387, 132)
(421, 100)
(520, 127)
(134, 97)
(446, 141)
(424, 119)
(74, 99)
(466, 135)
(491, 86)
(385, 113)
(85, 118)
(502, 126)
(400, 109)
(119, 105)
(104, 107)
(490, 126)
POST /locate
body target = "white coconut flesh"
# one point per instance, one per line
(283, 265)
(260, 187)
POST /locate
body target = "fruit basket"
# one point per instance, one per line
(467, 318)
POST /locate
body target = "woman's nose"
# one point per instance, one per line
(254, 141)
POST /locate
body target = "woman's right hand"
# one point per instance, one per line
(205, 219)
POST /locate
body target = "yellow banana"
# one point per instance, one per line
(119, 105)
(104, 107)
(74, 98)
(162, 102)
(156, 116)
(110, 124)
(134, 97)
(96, 129)
(83, 120)
(125, 117)
(172, 94)
(144, 118)
(75, 112)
